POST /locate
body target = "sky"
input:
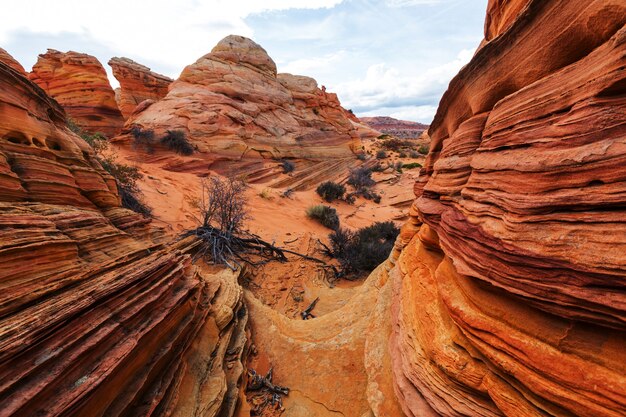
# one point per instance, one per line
(383, 58)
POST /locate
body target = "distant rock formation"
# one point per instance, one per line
(399, 128)
(510, 296)
(233, 103)
(80, 84)
(137, 83)
(10, 61)
(99, 314)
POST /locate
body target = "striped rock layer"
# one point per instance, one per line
(510, 298)
(80, 84)
(99, 315)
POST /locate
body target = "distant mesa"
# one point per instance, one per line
(400, 128)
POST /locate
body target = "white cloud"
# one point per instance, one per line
(408, 3)
(307, 66)
(160, 30)
(388, 89)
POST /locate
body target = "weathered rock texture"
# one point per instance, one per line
(137, 83)
(98, 315)
(511, 299)
(80, 85)
(399, 128)
(10, 61)
(233, 103)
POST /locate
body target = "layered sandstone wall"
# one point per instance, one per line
(510, 299)
(12, 62)
(99, 315)
(80, 84)
(233, 103)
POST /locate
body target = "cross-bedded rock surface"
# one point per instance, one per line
(10, 61)
(99, 314)
(511, 299)
(137, 83)
(80, 84)
(231, 102)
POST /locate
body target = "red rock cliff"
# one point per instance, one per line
(137, 83)
(80, 84)
(98, 315)
(511, 298)
(10, 61)
(233, 103)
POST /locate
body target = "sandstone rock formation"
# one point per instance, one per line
(10, 61)
(99, 315)
(233, 103)
(137, 83)
(511, 298)
(80, 84)
(398, 128)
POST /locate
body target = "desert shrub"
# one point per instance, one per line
(287, 193)
(266, 194)
(361, 180)
(381, 154)
(414, 154)
(177, 141)
(412, 165)
(287, 166)
(383, 136)
(361, 156)
(423, 149)
(326, 215)
(402, 155)
(365, 249)
(143, 139)
(395, 144)
(125, 176)
(398, 166)
(378, 167)
(361, 177)
(331, 191)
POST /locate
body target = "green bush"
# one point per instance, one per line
(361, 177)
(365, 249)
(412, 165)
(331, 191)
(395, 144)
(125, 176)
(143, 139)
(381, 154)
(288, 166)
(424, 149)
(176, 140)
(326, 215)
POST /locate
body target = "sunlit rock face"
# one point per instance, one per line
(80, 85)
(137, 83)
(99, 314)
(233, 103)
(10, 61)
(510, 298)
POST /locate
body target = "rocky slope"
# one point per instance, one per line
(511, 297)
(99, 314)
(10, 61)
(231, 102)
(398, 128)
(137, 83)
(80, 84)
